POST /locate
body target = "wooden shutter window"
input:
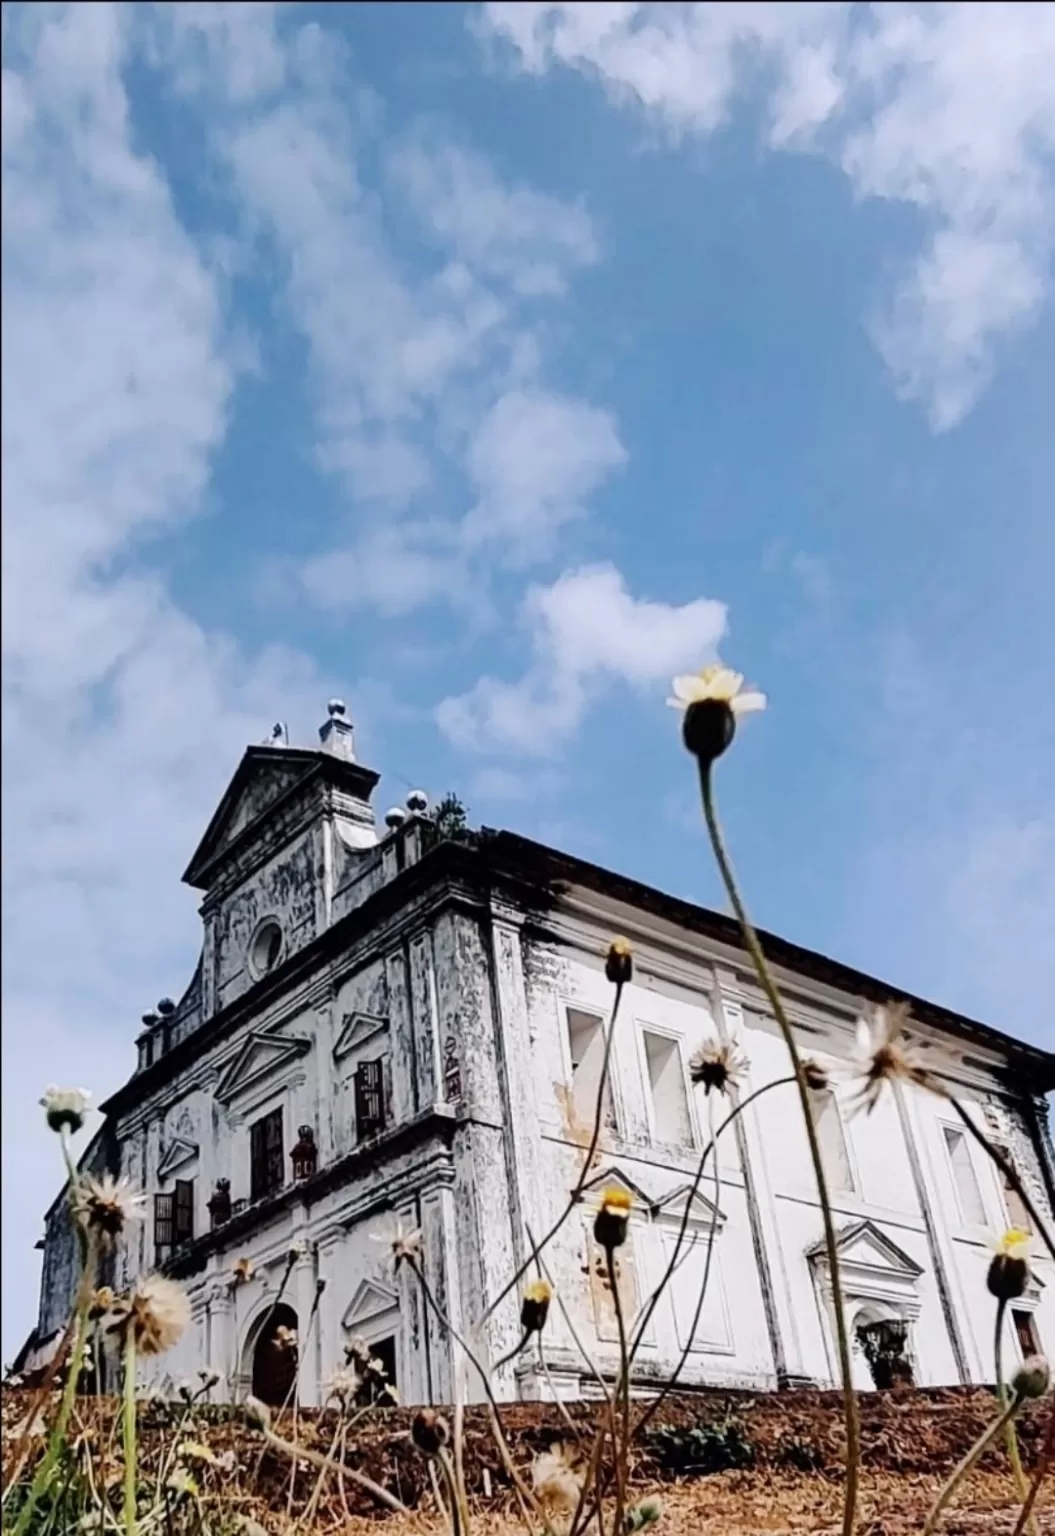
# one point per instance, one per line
(164, 1220)
(266, 1171)
(184, 1210)
(369, 1098)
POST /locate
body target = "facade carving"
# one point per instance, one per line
(385, 1028)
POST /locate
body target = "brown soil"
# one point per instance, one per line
(909, 1442)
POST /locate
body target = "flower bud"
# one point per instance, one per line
(1032, 1378)
(429, 1431)
(1007, 1277)
(708, 728)
(619, 965)
(613, 1217)
(816, 1076)
(535, 1306)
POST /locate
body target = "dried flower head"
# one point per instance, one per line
(557, 1480)
(106, 1206)
(242, 1271)
(534, 1305)
(882, 1057)
(1009, 1267)
(65, 1108)
(712, 700)
(285, 1339)
(429, 1432)
(1032, 1378)
(613, 1216)
(296, 1251)
(101, 1302)
(817, 1078)
(358, 1350)
(717, 1065)
(208, 1379)
(155, 1312)
(403, 1244)
(344, 1387)
(619, 962)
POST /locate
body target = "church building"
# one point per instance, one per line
(393, 1028)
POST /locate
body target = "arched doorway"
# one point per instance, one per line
(275, 1357)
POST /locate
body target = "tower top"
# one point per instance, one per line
(336, 732)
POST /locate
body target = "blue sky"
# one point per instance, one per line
(486, 366)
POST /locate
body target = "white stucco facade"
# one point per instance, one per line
(462, 985)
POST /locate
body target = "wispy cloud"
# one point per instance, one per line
(120, 714)
(587, 632)
(948, 108)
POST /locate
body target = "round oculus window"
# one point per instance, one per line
(265, 949)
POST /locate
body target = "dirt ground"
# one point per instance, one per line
(910, 1440)
(753, 1504)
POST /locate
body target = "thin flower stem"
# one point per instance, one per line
(960, 1471)
(129, 1395)
(444, 1461)
(584, 1173)
(669, 1385)
(642, 1323)
(524, 1493)
(580, 1346)
(1010, 1436)
(441, 1502)
(1007, 1168)
(512, 1353)
(57, 1438)
(853, 1428)
(316, 1458)
(619, 1450)
(458, 1468)
(1038, 1476)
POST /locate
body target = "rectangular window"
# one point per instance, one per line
(1017, 1214)
(671, 1119)
(831, 1134)
(968, 1194)
(1025, 1332)
(183, 1210)
(586, 1043)
(369, 1098)
(164, 1224)
(266, 1172)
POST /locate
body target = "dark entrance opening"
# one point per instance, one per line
(885, 1346)
(275, 1358)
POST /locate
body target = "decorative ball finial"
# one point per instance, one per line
(417, 802)
(149, 1019)
(336, 707)
(166, 1006)
(395, 817)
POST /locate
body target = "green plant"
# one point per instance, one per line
(699, 1449)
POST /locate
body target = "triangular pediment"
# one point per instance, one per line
(608, 1177)
(701, 1211)
(264, 777)
(863, 1246)
(178, 1152)
(356, 1030)
(371, 1299)
(260, 1056)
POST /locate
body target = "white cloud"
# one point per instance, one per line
(587, 632)
(121, 716)
(534, 459)
(946, 107)
(512, 233)
(419, 369)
